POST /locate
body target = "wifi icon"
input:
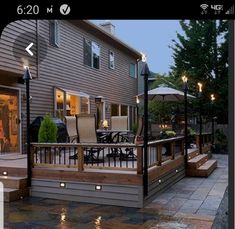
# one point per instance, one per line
(204, 6)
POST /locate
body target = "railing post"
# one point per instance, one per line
(159, 154)
(172, 150)
(80, 159)
(197, 141)
(139, 160)
(182, 147)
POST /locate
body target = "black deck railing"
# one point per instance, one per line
(121, 156)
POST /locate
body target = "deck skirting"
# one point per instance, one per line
(110, 194)
(162, 183)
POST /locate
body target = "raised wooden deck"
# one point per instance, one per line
(110, 180)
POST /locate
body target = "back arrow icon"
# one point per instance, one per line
(27, 49)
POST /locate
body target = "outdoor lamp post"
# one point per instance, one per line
(185, 81)
(200, 116)
(212, 120)
(145, 72)
(27, 77)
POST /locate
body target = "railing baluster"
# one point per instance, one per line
(69, 155)
(54, 156)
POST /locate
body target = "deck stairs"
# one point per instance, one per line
(14, 185)
(200, 165)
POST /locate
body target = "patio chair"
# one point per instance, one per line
(119, 123)
(86, 126)
(71, 126)
(137, 138)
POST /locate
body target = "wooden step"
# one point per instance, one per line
(206, 148)
(13, 171)
(204, 170)
(14, 182)
(207, 168)
(193, 154)
(197, 161)
(11, 194)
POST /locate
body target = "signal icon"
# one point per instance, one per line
(230, 10)
(204, 6)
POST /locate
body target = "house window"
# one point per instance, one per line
(124, 111)
(84, 105)
(91, 54)
(69, 102)
(111, 59)
(132, 70)
(59, 103)
(54, 33)
(114, 110)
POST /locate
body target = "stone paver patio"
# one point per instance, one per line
(195, 199)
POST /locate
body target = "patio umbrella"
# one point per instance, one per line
(164, 93)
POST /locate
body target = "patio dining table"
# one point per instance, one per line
(114, 136)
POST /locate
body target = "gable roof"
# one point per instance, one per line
(106, 36)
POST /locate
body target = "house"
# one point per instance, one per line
(77, 67)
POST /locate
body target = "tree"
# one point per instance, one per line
(47, 131)
(202, 54)
(162, 110)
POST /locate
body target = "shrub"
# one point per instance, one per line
(167, 133)
(220, 137)
(191, 131)
(134, 128)
(221, 142)
(47, 131)
(170, 133)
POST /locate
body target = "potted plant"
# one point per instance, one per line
(47, 134)
(167, 133)
(191, 137)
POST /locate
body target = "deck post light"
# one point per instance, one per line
(185, 89)
(145, 72)
(200, 116)
(27, 77)
(212, 121)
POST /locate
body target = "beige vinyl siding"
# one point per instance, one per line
(64, 67)
(8, 36)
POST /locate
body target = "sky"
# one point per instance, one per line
(151, 37)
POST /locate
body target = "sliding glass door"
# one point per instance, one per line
(9, 121)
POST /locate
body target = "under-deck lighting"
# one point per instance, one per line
(159, 181)
(62, 184)
(4, 173)
(98, 187)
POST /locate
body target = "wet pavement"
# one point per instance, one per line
(195, 195)
(191, 203)
(47, 213)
